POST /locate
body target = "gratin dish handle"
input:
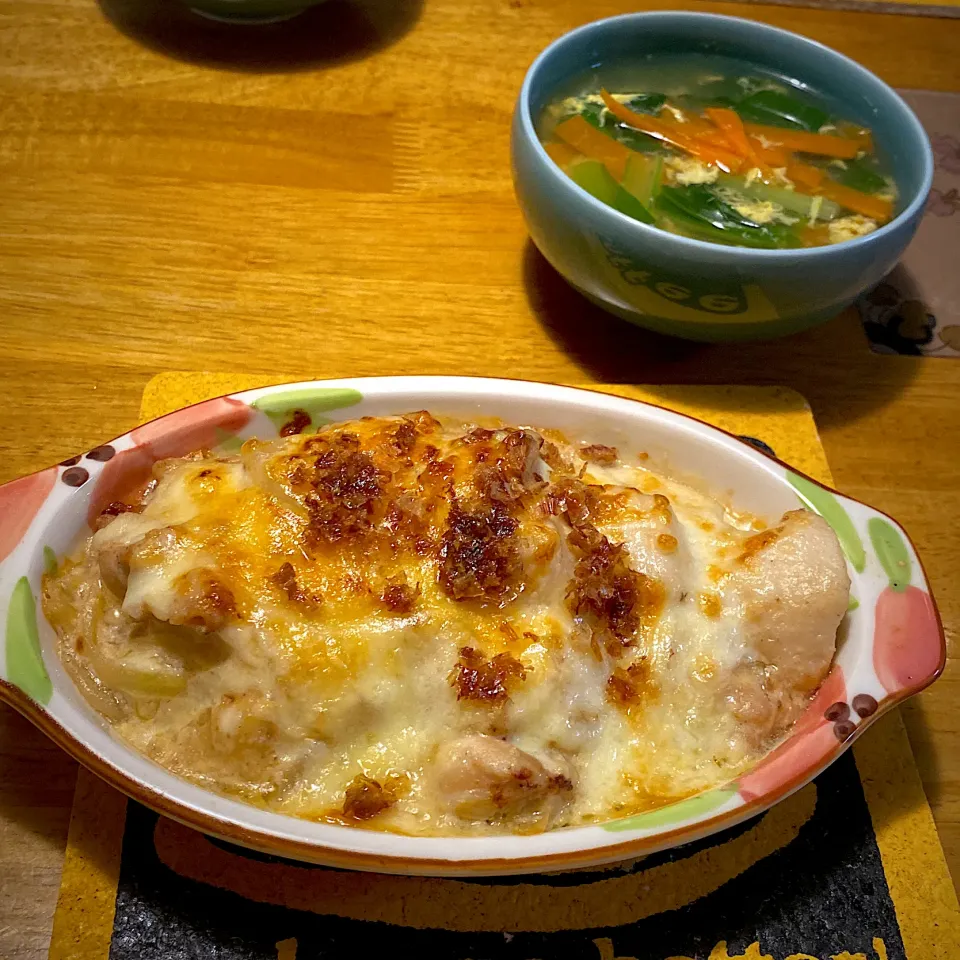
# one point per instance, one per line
(909, 645)
(21, 659)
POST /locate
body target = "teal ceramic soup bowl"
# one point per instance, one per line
(691, 288)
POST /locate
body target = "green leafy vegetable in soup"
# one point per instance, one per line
(735, 159)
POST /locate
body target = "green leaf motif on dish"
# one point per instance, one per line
(891, 552)
(279, 407)
(25, 667)
(675, 812)
(827, 505)
(49, 561)
(852, 604)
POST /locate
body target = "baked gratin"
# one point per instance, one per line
(435, 628)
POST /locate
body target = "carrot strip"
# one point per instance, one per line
(818, 143)
(691, 130)
(753, 159)
(703, 132)
(712, 154)
(580, 135)
(772, 156)
(715, 138)
(731, 126)
(674, 134)
(685, 122)
(805, 175)
(562, 154)
(856, 200)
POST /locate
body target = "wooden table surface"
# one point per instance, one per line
(332, 197)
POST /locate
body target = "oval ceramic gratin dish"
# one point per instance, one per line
(891, 643)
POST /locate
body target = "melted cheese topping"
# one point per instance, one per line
(434, 628)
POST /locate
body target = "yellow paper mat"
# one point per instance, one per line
(103, 852)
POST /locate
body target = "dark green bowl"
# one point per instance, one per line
(250, 11)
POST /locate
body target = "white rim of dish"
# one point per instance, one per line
(473, 856)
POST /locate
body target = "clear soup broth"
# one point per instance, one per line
(713, 149)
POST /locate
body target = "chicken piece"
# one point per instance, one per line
(236, 744)
(607, 593)
(794, 586)
(366, 798)
(480, 555)
(171, 581)
(757, 703)
(483, 778)
(242, 722)
(493, 549)
(508, 464)
(179, 488)
(113, 561)
(201, 600)
(649, 529)
(112, 546)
